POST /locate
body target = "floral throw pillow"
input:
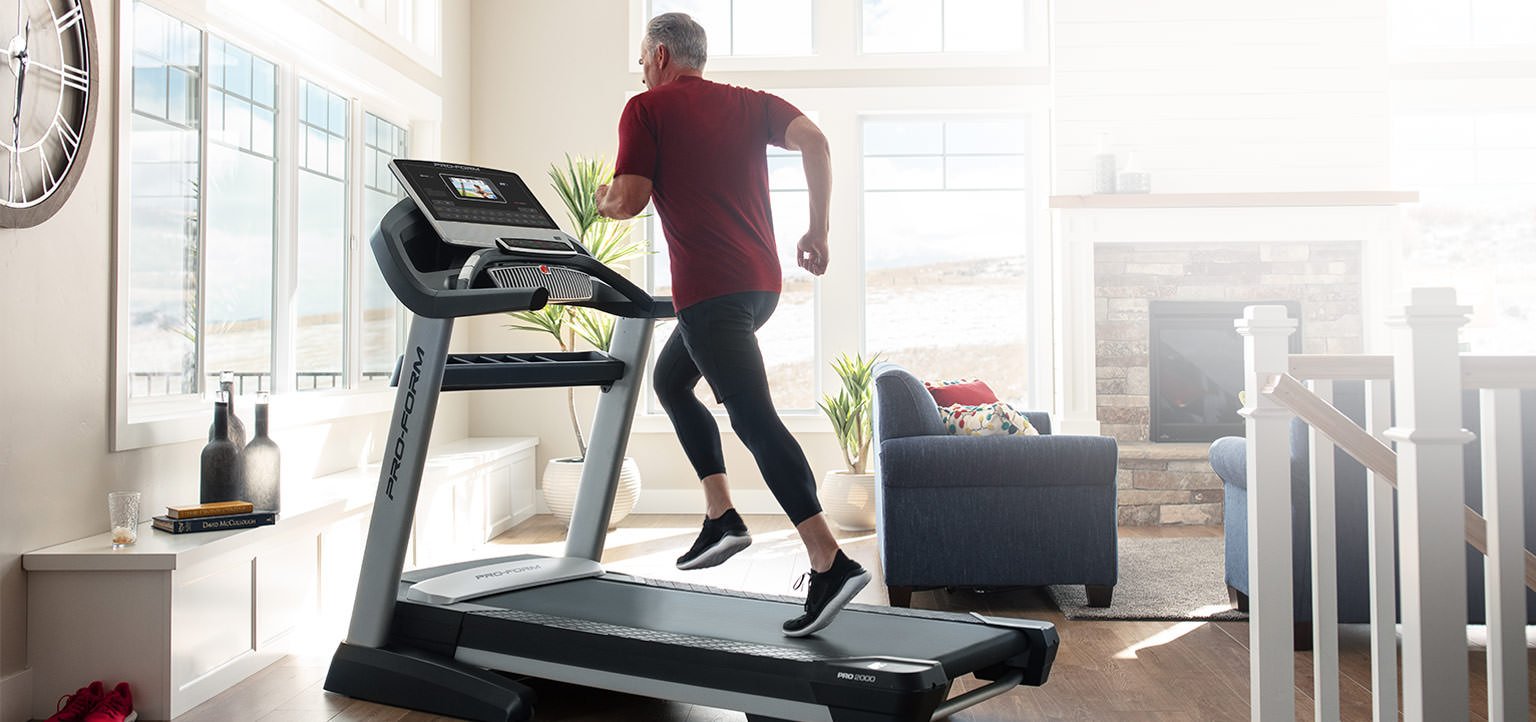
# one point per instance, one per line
(998, 419)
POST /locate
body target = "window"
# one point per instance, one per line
(747, 27)
(1465, 23)
(320, 303)
(237, 235)
(1476, 220)
(164, 268)
(947, 26)
(946, 248)
(1462, 114)
(383, 141)
(241, 215)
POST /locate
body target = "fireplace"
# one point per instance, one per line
(1195, 360)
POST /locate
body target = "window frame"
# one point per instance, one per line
(836, 44)
(384, 92)
(840, 294)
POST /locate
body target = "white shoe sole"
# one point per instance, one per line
(850, 589)
(721, 551)
(131, 717)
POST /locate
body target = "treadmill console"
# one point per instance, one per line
(471, 240)
(475, 206)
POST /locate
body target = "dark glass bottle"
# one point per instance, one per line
(236, 426)
(223, 476)
(263, 467)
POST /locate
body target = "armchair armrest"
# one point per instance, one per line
(971, 461)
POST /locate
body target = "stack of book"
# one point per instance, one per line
(215, 516)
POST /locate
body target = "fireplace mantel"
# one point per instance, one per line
(1079, 222)
(1284, 199)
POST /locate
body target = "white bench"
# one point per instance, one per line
(182, 618)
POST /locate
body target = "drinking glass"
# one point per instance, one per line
(123, 509)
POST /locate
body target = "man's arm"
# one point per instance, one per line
(816, 157)
(624, 198)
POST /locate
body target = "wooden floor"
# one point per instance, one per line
(1104, 670)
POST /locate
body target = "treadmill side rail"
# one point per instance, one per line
(500, 576)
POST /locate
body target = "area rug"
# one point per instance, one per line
(1160, 579)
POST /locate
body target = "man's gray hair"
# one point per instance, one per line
(683, 37)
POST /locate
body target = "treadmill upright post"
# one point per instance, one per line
(610, 435)
(420, 384)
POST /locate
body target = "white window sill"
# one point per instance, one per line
(174, 421)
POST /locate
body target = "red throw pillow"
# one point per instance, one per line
(967, 392)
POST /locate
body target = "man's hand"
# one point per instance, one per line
(811, 252)
(599, 194)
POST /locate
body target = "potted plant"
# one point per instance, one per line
(608, 241)
(848, 495)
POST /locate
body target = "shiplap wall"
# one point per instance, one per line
(1217, 96)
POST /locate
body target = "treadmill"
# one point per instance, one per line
(470, 640)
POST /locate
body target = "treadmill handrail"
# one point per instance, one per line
(979, 695)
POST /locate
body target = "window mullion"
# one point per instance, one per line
(353, 315)
(201, 226)
(284, 275)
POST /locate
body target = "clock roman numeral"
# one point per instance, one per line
(76, 78)
(67, 134)
(70, 19)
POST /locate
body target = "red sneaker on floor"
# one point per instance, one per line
(74, 707)
(116, 706)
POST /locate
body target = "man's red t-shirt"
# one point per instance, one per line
(703, 145)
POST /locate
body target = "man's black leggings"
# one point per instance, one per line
(716, 339)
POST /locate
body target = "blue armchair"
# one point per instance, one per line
(995, 511)
(1229, 460)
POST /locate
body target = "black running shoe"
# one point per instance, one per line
(829, 593)
(719, 541)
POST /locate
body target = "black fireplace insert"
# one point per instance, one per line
(1195, 359)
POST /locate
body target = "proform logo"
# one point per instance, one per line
(405, 418)
(512, 570)
(850, 676)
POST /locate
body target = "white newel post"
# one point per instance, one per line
(1504, 567)
(1272, 674)
(1429, 436)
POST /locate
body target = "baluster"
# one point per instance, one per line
(1504, 567)
(1325, 575)
(1381, 529)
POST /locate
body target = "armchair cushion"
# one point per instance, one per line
(1010, 461)
(963, 391)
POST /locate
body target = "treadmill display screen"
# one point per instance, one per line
(475, 189)
(467, 194)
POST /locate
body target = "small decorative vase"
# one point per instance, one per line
(221, 476)
(562, 480)
(849, 500)
(263, 465)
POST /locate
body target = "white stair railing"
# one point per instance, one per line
(1427, 472)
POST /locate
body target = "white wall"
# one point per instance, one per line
(550, 79)
(1217, 96)
(56, 374)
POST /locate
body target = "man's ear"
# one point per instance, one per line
(663, 56)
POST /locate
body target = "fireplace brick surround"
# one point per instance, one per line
(1172, 483)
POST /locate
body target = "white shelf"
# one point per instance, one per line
(317, 503)
(1313, 199)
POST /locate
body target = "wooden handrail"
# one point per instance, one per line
(1498, 372)
(1340, 367)
(1369, 451)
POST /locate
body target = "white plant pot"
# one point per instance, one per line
(849, 500)
(562, 479)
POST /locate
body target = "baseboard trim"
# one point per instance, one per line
(691, 501)
(16, 696)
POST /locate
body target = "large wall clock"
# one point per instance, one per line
(48, 102)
